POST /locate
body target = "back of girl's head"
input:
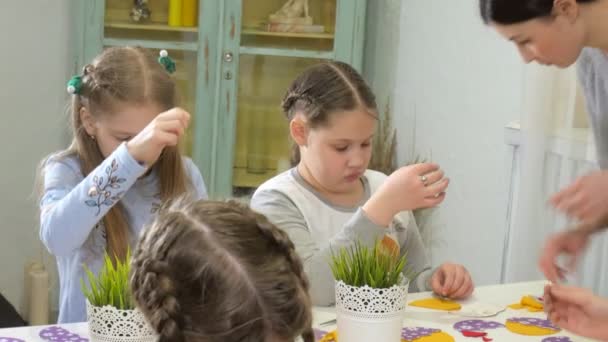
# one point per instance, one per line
(326, 88)
(506, 12)
(217, 271)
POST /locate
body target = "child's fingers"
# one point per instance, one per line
(175, 114)
(465, 289)
(448, 283)
(437, 187)
(168, 139)
(434, 200)
(437, 281)
(425, 168)
(174, 126)
(434, 177)
(459, 280)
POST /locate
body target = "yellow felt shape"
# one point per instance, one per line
(436, 337)
(516, 306)
(330, 337)
(436, 304)
(530, 303)
(529, 329)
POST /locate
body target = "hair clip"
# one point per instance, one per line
(75, 85)
(166, 61)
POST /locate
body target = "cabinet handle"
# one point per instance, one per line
(228, 57)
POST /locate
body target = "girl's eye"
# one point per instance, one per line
(341, 148)
(123, 138)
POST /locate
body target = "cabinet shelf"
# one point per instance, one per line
(254, 50)
(256, 32)
(151, 44)
(148, 27)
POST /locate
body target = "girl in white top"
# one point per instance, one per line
(330, 199)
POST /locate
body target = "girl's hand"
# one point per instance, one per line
(410, 187)
(452, 281)
(164, 130)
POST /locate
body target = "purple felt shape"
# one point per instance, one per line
(477, 325)
(58, 334)
(537, 322)
(10, 339)
(319, 334)
(557, 339)
(410, 334)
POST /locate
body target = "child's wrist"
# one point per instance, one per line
(377, 213)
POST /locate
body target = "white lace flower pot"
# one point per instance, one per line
(366, 314)
(109, 324)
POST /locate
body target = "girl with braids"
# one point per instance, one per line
(122, 163)
(330, 199)
(217, 271)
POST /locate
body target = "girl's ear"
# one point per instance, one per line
(298, 128)
(88, 122)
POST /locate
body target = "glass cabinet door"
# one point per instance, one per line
(277, 42)
(160, 24)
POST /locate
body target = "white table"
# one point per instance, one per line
(415, 317)
(502, 295)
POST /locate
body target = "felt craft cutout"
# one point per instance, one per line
(531, 326)
(10, 339)
(419, 334)
(58, 334)
(436, 304)
(319, 334)
(476, 328)
(477, 325)
(557, 339)
(530, 303)
(330, 337)
(416, 334)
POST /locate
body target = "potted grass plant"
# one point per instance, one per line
(111, 312)
(371, 292)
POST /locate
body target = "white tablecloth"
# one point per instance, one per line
(415, 317)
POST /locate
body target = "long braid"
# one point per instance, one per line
(286, 246)
(152, 281)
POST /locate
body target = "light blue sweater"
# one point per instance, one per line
(72, 207)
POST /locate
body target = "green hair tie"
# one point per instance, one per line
(75, 85)
(166, 61)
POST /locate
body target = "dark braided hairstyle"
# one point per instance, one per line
(217, 271)
(323, 89)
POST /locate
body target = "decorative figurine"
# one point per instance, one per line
(140, 11)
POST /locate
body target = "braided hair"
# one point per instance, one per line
(218, 271)
(323, 89)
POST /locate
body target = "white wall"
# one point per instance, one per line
(36, 62)
(457, 86)
(381, 52)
